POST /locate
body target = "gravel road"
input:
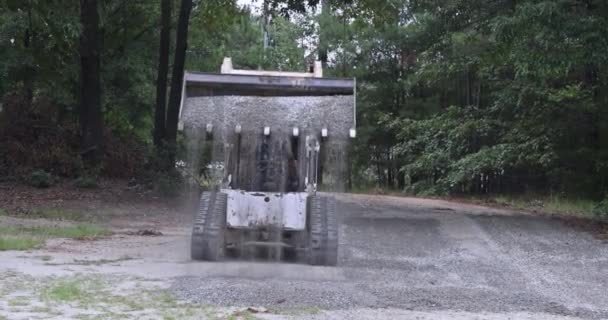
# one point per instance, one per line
(401, 258)
(429, 256)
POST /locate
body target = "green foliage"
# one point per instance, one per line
(25, 238)
(40, 71)
(465, 96)
(169, 184)
(33, 135)
(554, 204)
(78, 231)
(571, 207)
(601, 209)
(19, 242)
(47, 213)
(224, 31)
(475, 96)
(39, 80)
(86, 182)
(41, 179)
(39, 46)
(79, 289)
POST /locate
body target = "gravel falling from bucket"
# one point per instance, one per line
(212, 139)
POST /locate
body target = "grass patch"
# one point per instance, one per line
(581, 207)
(47, 213)
(99, 297)
(82, 290)
(87, 291)
(79, 231)
(41, 310)
(19, 302)
(100, 261)
(19, 242)
(26, 238)
(549, 204)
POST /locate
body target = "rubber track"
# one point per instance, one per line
(323, 231)
(207, 231)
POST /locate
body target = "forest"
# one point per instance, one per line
(466, 97)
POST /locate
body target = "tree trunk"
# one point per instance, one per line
(91, 122)
(469, 90)
(163, 69)
(322, 38)
(177, 75)
(28, 73)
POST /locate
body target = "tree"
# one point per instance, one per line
(323, 45)
(224, 30)
(91, 118)
(163, 70)
(466, 96)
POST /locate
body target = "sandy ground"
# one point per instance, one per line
(399, 258)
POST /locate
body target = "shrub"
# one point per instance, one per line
(87, 182)
(34, 136)
(40, 179)
(169, 185)
(601, 209)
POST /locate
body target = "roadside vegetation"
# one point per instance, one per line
(560, 205)
(551, 204)
(60, 214)
(97, 297)
(471, 99)
(32, 237)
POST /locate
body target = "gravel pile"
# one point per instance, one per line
(421, 259)
(269, 293)
(308, 113)
(365, 292)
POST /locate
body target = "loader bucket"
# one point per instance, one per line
(225, 102)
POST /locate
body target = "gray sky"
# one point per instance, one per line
(253, 4)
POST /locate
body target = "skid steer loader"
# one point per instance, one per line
(270, 133)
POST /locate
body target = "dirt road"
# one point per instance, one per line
(399, 258)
